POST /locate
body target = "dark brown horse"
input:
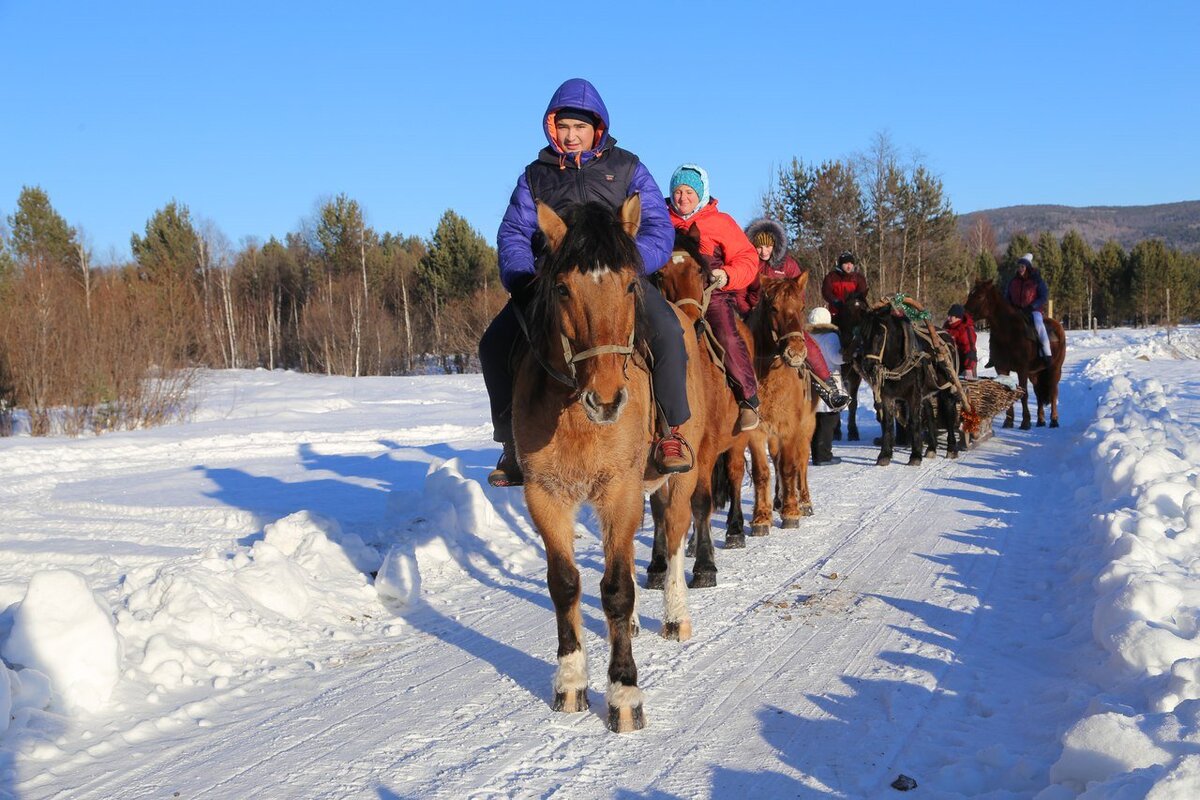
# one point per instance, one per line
(583, 425)
(686, 281)
(1014, 351)
(789, 405)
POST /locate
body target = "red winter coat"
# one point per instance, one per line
(839, 285)
(724, 242)
(963, 333)
(785, 268)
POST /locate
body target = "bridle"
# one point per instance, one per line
(570, 379)
(912, 359)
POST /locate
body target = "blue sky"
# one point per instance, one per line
(251, 113)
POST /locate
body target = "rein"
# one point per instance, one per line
(570, 379)
(715, 350)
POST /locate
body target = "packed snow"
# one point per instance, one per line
(307, 590)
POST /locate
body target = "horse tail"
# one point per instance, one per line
(722, 492)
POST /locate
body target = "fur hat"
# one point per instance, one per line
(774, 229)
(957, 310)
(693, 176)
(1026, 259)
(846, 257)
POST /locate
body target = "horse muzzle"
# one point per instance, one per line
(603, 413)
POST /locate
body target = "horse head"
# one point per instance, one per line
(588, 299)
(850, 319)
(781, 320)
(685, 277)
(983, 300)
(883, 341)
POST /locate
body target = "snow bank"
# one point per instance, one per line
(64, 631)
(230, 613)
(1146, 575)
(449, 527)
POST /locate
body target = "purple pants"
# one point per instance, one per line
(722, 316)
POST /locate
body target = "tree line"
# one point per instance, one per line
(88, 347)
(894, 215)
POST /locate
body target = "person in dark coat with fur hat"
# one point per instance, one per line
(582, 163)
(961, 328)
(769, 238)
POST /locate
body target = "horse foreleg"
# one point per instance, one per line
(888, 412)
(853, 381)
(619, 518)
(735, 532)
(554, 520)
(785, 476)
(1054, 378)
(807, 426)
(948, 409)
(657, 568)
(760, 472)
(916, 429)
(677, 621)
(704, 568)
(1008, 414)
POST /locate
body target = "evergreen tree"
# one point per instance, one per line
(1111, 273)
(1073, 289)
(39, 234)
(1047, 258)
(459, 260)
(985, 266)
(171, 248)
(1148, 274)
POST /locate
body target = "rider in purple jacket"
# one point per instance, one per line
(582, 163)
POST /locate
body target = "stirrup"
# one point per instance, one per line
(508, 469)
(672, 462)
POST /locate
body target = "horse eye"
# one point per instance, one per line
(631, 285)
(562, 290)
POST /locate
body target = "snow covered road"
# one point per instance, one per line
(931, 621)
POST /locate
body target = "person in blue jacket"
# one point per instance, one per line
(1028, 291)
(582, 163)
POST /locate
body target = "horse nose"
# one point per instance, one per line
(603, 413)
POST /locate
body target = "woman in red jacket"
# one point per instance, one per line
(734, 265)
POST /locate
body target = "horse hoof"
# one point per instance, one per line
(735, 541)
(760, 529)
(571, 701)
(1053, 423)
(790, 523)
(806, 509)
(883, 461)
(931, 453)
(703, 580)
(677, 631)
(1041, 423)
(1008, 423)
(654, 580)
(626, 720)
(1025, 425)
(952, 454)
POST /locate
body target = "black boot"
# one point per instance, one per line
(830, 393)
(508, 469)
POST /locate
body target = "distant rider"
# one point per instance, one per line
(1028, 292)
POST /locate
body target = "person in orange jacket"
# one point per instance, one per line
(734, 263)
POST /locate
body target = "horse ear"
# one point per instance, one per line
(631, 214)
(802, 281)
(693, 233)
(551, 226)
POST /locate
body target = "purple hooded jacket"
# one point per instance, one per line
(514, 241)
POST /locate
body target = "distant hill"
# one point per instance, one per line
(1177, 224)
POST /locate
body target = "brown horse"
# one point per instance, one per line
(583, 424)
(686, 281)
(1013, 351)
(789, 405)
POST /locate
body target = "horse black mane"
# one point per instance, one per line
(595, 240)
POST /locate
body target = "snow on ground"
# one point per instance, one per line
(308, 591)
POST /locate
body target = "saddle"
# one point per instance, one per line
(1031, 329)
